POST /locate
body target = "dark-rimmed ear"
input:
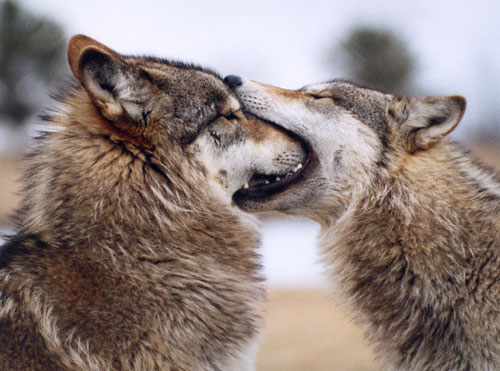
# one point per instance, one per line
(102, 73)
(122, 93)
(430, 119)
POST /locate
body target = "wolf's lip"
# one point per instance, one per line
(265, 190)
(262, 190)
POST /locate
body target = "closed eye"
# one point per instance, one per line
(316, 96)
(335, 98)
(231, 117)
(199, 127)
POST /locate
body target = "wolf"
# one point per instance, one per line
(129, 253)
(410, 227)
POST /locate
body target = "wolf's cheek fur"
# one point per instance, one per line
(231, 166)
(345, 148)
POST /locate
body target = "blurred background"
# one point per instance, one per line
(427, 47)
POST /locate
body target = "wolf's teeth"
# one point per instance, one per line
(245, 186)
(267, 182)
(289, 174)
(278, 178)
(297, 168)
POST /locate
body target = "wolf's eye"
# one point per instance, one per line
(317, 96)
(334, 98)
(231, 117)
(321, 97)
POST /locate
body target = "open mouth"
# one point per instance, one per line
(262, 185)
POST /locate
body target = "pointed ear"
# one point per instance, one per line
(430, 119)
(103, 74)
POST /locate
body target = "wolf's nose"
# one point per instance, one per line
(233, 81)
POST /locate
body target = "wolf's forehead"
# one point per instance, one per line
(368, 105)
(164, 65)
(181, 74)
(347, 88)
(190, 76)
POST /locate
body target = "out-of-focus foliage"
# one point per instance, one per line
(377, 58)
(31, 57)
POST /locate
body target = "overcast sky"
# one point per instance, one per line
(457, 42)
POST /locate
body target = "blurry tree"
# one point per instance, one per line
(377, 58)
(31, 57)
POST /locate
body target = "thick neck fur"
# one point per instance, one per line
(160, 272)
(161, 194)
(417, 255)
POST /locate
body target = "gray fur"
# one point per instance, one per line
(413, 245)
(129, 254)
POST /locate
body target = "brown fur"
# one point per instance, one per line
(128, 256)
(417, 258)
(410, 226)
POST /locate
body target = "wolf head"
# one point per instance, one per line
(352, 133)
(149, 128)
(150, 102)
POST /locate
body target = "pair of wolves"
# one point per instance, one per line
(132, 251)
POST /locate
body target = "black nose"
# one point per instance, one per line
(233, 81)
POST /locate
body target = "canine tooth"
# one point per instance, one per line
(299, 166)
(245, 186)
(278, 178)
(267, 182)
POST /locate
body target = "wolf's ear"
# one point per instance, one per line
(430, 119)
(115, 88)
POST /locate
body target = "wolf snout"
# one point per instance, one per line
(232, 81)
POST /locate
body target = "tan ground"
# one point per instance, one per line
(304, 330)
(10, 170)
